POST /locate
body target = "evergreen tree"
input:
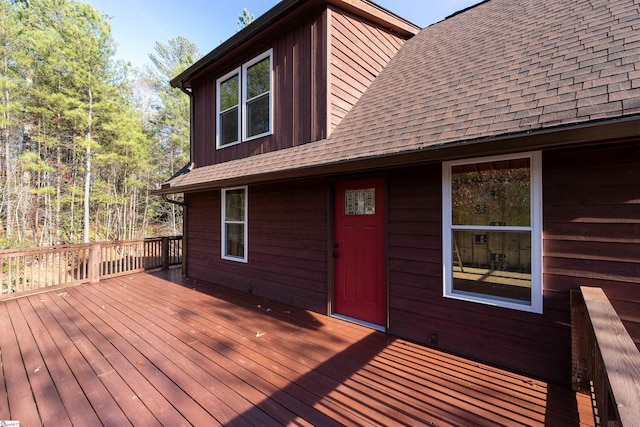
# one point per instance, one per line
(244, 18)
(75, 159)
(170, 124)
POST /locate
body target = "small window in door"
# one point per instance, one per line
(360, 202)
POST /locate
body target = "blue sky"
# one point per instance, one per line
(138, 24)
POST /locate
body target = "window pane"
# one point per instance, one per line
(258, 116)
(493, 264)
(229, 127)
(229, 95)
(258, 78)
(234, 205)
(492, 193)
(235, 240)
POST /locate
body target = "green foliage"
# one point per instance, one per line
(66, 114)
(244, 18)
(169, 125)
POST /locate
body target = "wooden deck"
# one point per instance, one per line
(154, 349)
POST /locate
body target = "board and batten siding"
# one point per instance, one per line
(358, 51)
(299, 91)
(287, 252)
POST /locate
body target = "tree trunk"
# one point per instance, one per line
(87, 172)
(58, 193)
(4, 134)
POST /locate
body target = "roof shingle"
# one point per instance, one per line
(502, 67)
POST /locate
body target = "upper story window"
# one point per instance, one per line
(492, 231)
(245, 102)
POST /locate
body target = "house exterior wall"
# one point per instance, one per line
(287, 245)
(513, 339)
(358, 53)
(591, 233)
(592, 225)
(322, 64)
(591, 237)
(300, 94)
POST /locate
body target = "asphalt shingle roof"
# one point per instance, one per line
(502, 67)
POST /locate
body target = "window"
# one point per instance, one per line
(234, 224)
(245, 103)
(229, 108)
(492, 231)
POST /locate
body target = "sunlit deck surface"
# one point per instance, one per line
(156, 349)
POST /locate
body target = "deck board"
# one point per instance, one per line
(157, 349)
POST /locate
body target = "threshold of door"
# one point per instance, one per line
(364, 323)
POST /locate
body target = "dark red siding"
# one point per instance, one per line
(299, 90)
(287, 243)
(509, 338)
(592, 225)
(591, 237)
(358, 53)
(303, 73)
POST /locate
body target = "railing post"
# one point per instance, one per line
(581, 347)
(165, 253)
(94, 263)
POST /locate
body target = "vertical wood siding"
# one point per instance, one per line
(299, 91)
(287, 244)
(358, 53)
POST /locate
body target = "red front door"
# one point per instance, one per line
(360, 290)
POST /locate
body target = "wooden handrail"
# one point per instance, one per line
(32, 269)
(606, 361)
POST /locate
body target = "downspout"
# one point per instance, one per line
(191, 119)
(183, 204)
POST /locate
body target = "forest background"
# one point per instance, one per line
(85, 138)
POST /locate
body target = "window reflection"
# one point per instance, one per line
(234, 201)
(492, 193)
(492, 263)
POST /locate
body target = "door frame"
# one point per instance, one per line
(331, 197)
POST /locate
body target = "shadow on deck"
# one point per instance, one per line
(156, 349)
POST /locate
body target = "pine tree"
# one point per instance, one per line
(170, 124)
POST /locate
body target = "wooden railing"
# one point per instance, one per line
(24, 270)
(606, 361)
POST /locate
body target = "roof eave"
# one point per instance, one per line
(619, 129)
(283, 9)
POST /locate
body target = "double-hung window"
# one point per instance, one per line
(492, 231)
(229, 109)
(245, 102)
(234, 224)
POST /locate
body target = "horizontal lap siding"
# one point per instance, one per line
(591, 237)
(592, 225)
(358, 53)
(287, 244)
(203, 232)
(513, 339)
(299, 91)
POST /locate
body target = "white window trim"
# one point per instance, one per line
(219, 112)
(536, 305)
(245, 67)
(224, 222)
(242, 100)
